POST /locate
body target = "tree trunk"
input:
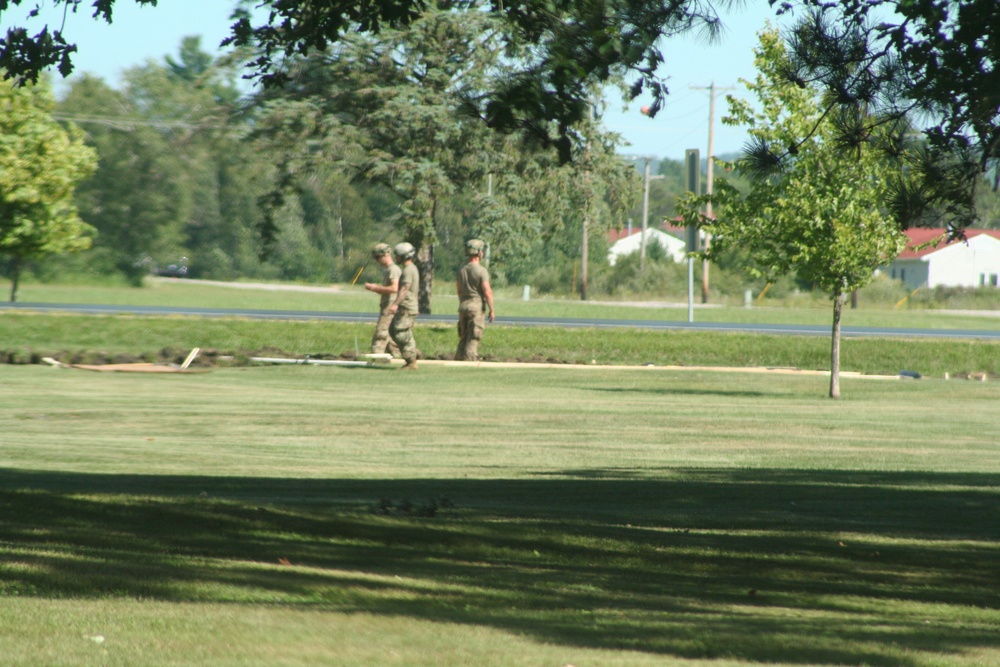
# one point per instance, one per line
(838, 309)
(425, 262)
(15, 278)
(704, 280)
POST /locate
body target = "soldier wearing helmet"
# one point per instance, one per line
(405, 307)
(382, 253)
(474, 297)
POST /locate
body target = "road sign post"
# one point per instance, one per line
(692, 170)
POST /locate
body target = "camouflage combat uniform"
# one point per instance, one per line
(380, 339)
(401, 327)
(471, 310)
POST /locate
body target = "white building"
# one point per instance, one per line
(630, 241)
(974, 262)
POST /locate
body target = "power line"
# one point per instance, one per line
(132, 123)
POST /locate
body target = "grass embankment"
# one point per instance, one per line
(460, 516)
(26, 338)
(345, 298)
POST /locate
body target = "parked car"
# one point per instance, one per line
(178, 270)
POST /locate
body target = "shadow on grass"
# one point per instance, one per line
(805, 567)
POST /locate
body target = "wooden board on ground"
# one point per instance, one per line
(136, 368)
(144, 367)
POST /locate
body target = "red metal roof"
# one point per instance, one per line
(665, 226)
(938, 240)
(619, 234)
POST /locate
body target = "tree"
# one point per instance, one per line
(135, 199)
(877, 63)
(534, 199)
(927, 55)
(393, 110)
(822, 215)
(666, 184)
(383, 110)
(41, 163)
(570, 46)
(176, 176)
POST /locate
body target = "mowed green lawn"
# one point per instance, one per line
(346, 298)
(494, 516)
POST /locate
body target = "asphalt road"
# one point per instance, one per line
(781, 329)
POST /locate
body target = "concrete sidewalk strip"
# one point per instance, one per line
(381, 361)
(653, 367)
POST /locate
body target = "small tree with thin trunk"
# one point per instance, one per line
(40, 164)
(821, 216)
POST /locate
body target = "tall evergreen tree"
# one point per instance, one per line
(394, 110)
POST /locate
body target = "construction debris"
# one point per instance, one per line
(378, 360)
(142, 367)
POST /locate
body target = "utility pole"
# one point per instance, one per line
(583, 253)
(708, 186)
(645, 215)
(645, 219)
(585, 241)
(588, 192)
(692, 178)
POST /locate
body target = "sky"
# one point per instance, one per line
(139, 34)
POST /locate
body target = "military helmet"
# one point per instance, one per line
(404, 250)
(381, 249)
(474, 247)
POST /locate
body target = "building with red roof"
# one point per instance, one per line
(929, 260)
(627, 241)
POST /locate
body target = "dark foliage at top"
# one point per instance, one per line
(888, 67)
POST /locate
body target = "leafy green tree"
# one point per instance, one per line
(880, 62)
(538, 201)
(393, 110)
(896, 56)
(568, 47)
(135, 198)
(822, 216)
(41, 162)
(176, 176)
(382, 110)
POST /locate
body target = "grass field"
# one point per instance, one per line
(27, 337)
(355, 299)
(462, 516)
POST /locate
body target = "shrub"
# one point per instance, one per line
(883, 291)
(956, 298)
(553, 278)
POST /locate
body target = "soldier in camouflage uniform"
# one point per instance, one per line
(474, 296)
(382, 253)
(405, 307)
